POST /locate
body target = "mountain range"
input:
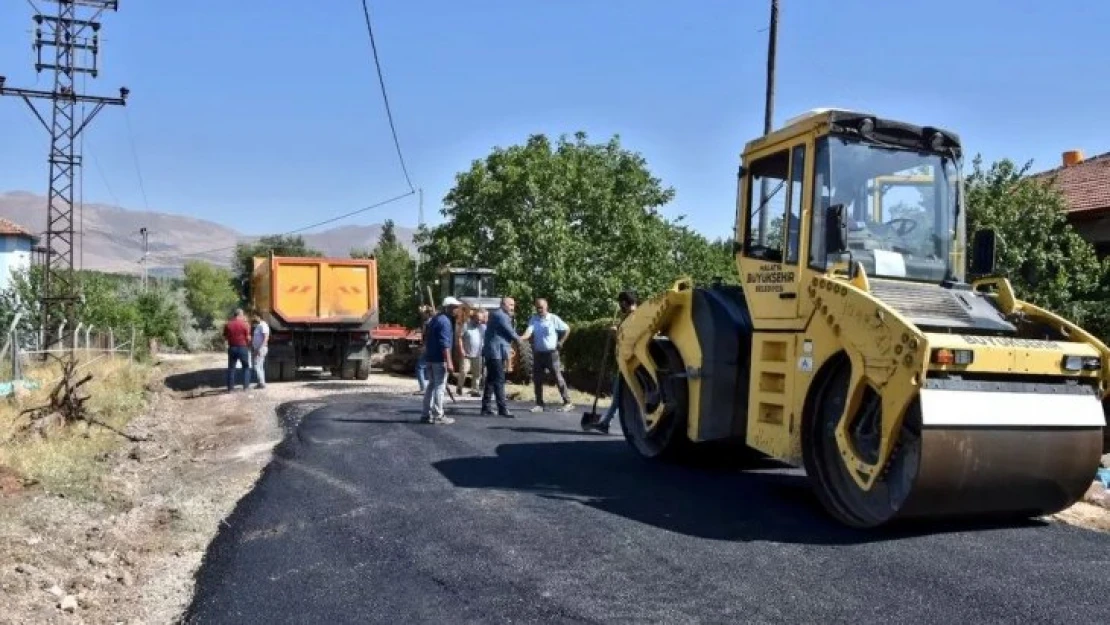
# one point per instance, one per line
(112, 242)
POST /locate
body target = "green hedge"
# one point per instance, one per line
(582, 356)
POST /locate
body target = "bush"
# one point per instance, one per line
(584, 357)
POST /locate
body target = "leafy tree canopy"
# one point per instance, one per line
(1046, 260)
(571, 221)
(209, 293)
(396, 269)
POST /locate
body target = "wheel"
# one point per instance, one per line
(835, 488)
(348, 369)
(384, 348)
(362, 371)
(522, 360)
(667, 440)
(272, 369)
(288, 371)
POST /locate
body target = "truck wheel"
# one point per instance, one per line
(288, 371)
(362, 371)
(272, 369)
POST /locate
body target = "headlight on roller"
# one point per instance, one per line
(1082, 363)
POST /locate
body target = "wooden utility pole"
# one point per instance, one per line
(772, 42)
(768, 119)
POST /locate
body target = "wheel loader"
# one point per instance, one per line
(863, 344)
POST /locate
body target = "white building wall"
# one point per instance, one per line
(15, 255)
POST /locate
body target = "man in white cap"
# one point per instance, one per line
(438, 343)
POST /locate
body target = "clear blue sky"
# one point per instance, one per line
(265, 115)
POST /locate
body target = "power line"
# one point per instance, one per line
(302, 229)
(135, 157)
(385, 98)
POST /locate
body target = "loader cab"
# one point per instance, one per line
(833, 189)
(477, 288)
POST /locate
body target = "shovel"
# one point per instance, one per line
(591, 417)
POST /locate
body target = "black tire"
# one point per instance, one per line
(348, 369)
(523, 360)
(272, 369)
(668, 441)
(833, 485)
(362, 370)
(288, 371)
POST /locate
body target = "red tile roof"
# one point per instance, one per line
(12, 228)
(1085, 185)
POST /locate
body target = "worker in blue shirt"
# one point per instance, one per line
(438, 345)
(548, 332)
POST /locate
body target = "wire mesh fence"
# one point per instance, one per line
(23, 345)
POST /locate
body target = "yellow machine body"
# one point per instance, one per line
(903, 387)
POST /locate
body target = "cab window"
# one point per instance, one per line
(774, 207)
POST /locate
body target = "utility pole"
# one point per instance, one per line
(69, 51)
(772, 42)
(145, 234)
(419, 256)
(768, 120)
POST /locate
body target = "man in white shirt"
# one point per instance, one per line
(470, 346)
(548, 332)
(260, 342)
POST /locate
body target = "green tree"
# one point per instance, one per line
(396, 270)
(571, 221)
(208, 293)
(1046, 260)
(279, 245)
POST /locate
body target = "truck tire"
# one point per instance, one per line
(522, 364)
(272, 369)
(362, 371)
(288, 371)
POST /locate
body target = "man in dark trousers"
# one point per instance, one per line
(237, 333)
(495, 352)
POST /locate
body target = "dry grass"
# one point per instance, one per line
(70, 460)
(580, 399)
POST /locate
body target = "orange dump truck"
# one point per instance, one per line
(321, 312)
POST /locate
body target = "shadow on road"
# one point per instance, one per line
(200, 379)
(713, 501)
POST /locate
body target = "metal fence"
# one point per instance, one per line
(85, 342)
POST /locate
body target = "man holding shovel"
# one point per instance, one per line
(627, 301)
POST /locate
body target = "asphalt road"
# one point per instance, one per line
(366, 516)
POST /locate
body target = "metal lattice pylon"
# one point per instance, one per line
(68, 45)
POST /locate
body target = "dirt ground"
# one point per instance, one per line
(129, 555)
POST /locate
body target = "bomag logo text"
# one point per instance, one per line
(1005, 341)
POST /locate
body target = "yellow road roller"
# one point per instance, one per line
(864, 344)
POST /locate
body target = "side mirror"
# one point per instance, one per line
(983, 252)
(836, 230)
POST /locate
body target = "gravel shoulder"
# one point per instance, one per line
(127, 552)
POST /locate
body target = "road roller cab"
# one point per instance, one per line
(862, 344)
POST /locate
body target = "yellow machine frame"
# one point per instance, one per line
(804, 319)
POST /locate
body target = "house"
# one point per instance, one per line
(16, 244)
(1085, 185)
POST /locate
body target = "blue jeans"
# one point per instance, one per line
(241, 355)
(614, 407)
(421, 372)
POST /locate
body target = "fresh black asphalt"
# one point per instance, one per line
(365, 516)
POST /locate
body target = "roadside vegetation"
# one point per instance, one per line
(71, 460)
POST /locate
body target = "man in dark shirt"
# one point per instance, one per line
(495, 351)
(438, 343)
(237, 333)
